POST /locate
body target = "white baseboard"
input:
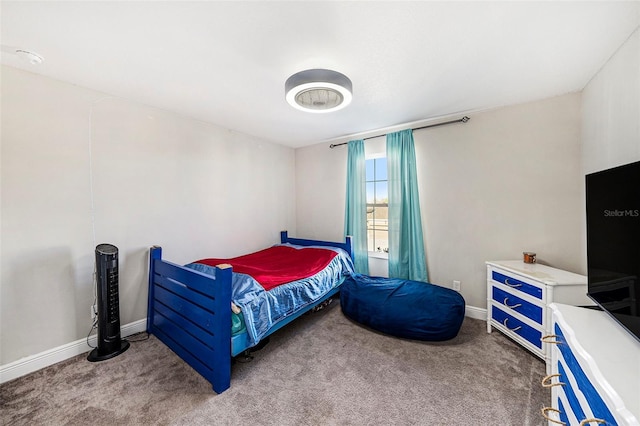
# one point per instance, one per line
(475, 313)
(49, 357)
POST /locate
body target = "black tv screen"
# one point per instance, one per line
(613, 242)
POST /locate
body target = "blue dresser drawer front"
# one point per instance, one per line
(570, 394)
(563, 414)
(517, 304)
(598, 406)
(527, 332)
(517, 284)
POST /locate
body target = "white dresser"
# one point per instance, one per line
(595, 369)
(518, 298)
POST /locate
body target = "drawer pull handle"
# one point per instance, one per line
(506, 281)
(512, 329)
(546, 382)
(548, 337)
(587, 421)
(517, 305)
(544, 414)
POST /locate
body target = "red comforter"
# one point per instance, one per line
(279, 264)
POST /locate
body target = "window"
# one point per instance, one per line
(377, 205)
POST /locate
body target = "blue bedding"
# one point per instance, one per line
(264, 309)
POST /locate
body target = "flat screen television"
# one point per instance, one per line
(613, 243)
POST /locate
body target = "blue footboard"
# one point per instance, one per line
(190, 312)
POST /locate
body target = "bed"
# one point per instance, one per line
(190, 306)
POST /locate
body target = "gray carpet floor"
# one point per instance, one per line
(322, 369)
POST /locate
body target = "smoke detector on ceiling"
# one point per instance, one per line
(318, 90)
(26, 55)
(31, 57)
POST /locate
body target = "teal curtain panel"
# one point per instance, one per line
(406, 245)
(355, 217)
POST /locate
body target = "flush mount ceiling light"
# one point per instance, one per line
(318, 90)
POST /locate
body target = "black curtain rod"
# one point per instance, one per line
(462, 120)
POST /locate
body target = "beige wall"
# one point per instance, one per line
(321, 174)
(505, 182)
(155, 178)
(611, 111)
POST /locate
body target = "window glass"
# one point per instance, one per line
(369, 170)
(382, 197)
(377, 205)
(381, 168)
(371, 186)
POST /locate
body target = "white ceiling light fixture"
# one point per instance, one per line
(318, 90)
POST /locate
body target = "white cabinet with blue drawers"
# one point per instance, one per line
(518, 298)
(595, 369)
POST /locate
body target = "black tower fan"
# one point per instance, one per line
(109, 342)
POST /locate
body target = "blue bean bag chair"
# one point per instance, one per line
(403, 308)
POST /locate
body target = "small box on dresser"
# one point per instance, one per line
(595, 369)
(518, 298)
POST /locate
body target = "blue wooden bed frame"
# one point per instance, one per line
(190, 312)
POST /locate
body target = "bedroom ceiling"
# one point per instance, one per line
(226, 62)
